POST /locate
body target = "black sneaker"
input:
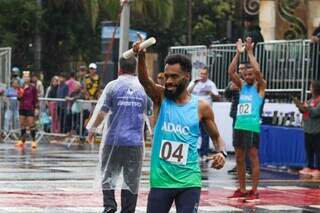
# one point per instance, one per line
(109, 210)
(248, 171)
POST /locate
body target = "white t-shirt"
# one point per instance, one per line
(201, 89)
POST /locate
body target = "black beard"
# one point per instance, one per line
(250, 84)
(172, 95)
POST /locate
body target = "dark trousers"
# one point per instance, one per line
(204, 148)
(62, 118)
(128, 201)
(312, 146)
(86, 115)
(76, 122)
(186, 200)
(68, 122)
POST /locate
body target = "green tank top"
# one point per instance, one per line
(174, 158)
(248, 113)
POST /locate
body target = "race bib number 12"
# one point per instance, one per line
(174, 152)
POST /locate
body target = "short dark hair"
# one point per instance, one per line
(72, 74)
(128, 65)
(205, 68)
(316, 87)
(182, 60)
(248, 65)
(62, 74)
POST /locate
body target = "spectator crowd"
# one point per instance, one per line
(56, 109)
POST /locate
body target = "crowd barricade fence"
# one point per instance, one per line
(287, 65)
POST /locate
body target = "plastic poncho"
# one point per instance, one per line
(121, 151)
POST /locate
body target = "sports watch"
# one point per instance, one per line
(224, 153)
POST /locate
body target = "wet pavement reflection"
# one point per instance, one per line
(55, 178)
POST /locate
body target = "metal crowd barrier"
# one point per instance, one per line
(63, 118)
(5, 65)
(57, 120)
(288, 66)
(311, 62)
(3, 133)
(198, 55)
(282, 64)
(219, 58)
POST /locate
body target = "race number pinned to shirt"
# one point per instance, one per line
(174, 152)
(244, 109)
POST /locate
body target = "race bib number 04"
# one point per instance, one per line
(244, 109)
(174, 152)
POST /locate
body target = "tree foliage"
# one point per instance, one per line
(69, 36)
(70, 29)
(210, 19)
(17, 28)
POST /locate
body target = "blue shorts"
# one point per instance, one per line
(186, 200)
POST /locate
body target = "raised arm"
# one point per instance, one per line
(232, 70)
(154, 91)
(261, 83)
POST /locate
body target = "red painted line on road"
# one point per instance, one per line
(211, 197)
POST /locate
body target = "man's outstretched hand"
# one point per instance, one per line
(240, 46)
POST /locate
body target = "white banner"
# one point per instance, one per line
(224, 121)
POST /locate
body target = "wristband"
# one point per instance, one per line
(224, 153)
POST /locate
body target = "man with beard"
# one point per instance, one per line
(232, 94)
(247, 126)
(175, 172)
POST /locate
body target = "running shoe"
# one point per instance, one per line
(233, 170)
(248, 171)
(252, 196)
(109, 210)
(238, 195)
